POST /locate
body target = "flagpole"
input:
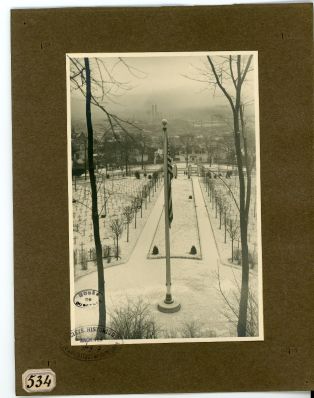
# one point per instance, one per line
(168, 299)
(168, 304)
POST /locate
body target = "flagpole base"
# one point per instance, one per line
(168, 306)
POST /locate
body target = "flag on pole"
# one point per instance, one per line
(170, 177)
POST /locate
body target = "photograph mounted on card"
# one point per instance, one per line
(162, 163)
(164, 197)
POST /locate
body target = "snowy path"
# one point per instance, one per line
(193, 281)
(209, 250)
(184, 232)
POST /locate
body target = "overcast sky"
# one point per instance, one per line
(162, 80)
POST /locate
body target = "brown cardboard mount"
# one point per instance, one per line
(282, 35)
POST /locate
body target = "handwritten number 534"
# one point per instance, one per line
(38, 381)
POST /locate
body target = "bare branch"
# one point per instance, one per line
(219, 83)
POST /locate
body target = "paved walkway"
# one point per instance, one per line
(184, 228)
(194, 282)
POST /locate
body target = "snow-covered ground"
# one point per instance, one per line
(184, 228)
(194, 282)
(118, 193)
(224, 248)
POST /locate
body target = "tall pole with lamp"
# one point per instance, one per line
(168, 304)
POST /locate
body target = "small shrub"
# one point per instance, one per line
(230, 310)
(191, 329)
(145, 175)
(193, 250)
(155, 250)
(149, 176)
(137, 175)
(190, 197)
(171, 333)
(108, 176)
(134, 321)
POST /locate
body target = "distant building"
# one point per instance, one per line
(156, 116)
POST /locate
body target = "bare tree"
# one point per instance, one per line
(233, 230)
(116, 227)
(145, 194)
(232, 302)
(236, 68)
(97, 84)
(221, 205)
(128, 216)
(144, 144)
(225, 214)
(136, 203)
(229, 74)
(95, 215)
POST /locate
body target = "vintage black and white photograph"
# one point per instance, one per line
(164, 197)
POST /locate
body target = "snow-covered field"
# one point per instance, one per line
(114, 194)
(220, 232)
(184, 232)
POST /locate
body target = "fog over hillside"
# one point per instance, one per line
(171, 83)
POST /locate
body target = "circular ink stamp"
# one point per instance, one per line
(87, 298)
(88, 346)
(91, 334)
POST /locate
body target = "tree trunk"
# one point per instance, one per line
(225, 228)
(95, 217)
(127, 232)
(85, 158)
(243, 208)
(117, 250)
(242, 322)
(247, 166)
